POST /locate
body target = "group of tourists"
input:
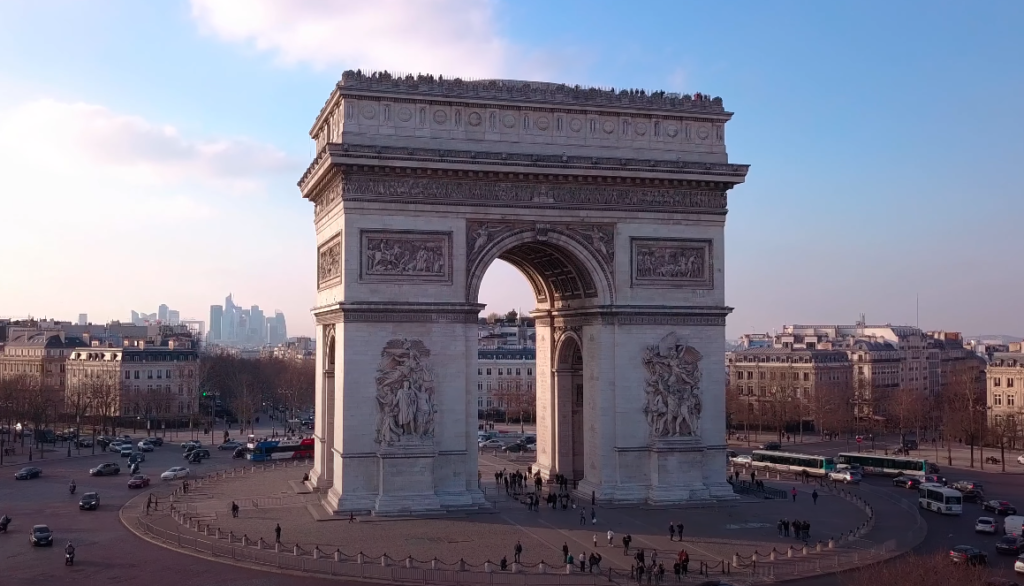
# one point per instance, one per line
(653, 569)
(591, 563)
(798, 529)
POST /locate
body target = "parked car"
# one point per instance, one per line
(41, 536)
(105, 469)
(845, 476)
(1010, 544)
(139, 481)
(907, 481)
(156, 441)
(145, 446)
(229, 445)
(985, 525)
(965, 554)
(28, 473)
(175, 473)
(999, 507)
(90, 501)
(771, 446)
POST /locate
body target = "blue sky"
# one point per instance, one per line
(149, 151)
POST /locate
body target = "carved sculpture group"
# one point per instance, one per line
(405, 256)
(672, 389)
(405, 394)
(671, 262)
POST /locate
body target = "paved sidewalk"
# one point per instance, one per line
(713, 534)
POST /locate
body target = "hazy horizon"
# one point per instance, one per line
(149, 151)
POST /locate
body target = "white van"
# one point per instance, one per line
(1013, 525)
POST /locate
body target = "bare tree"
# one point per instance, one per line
(905, 409)
(964, 409)
(917, 570)
(517, 401)
(105, 398)
(38, 402)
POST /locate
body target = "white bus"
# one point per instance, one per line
(941, 500)
(876, 464)
(797, 463)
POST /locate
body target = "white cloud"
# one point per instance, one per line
(455, 37)
(91, 143)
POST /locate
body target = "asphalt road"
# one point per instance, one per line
(944, 532)
(106, 551)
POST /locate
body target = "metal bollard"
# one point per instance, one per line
(789, 552)
(771, 556)
(384, 560)
(488, 568)
(516, 567)
(295, 550)
(831, 543)
(359, 558)
(805, 550)
(433, 564)
(817, 548)
(408, 562)
(542, 568)
(735, 559)
(337, 556)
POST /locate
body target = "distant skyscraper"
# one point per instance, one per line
(216, 316)
(257, 325)
(282, 328)
(173, 317)
(83, 319)
(161, 313)
(135, 318)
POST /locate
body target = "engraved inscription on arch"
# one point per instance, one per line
(672, 262)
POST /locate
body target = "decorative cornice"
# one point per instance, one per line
(728, 174)
(398, 313)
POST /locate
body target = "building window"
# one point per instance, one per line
(529, 386)
(490, 403)
(1009, 383)
(479, 402)
(479, 386)
(127, 375)
(996, 381)
(997, 400)
(519, 374)
(149, 374)
(501, 372)
(168, 375)
(159, 374)
(488, 372)
(1010, 399)
(488, 385)
(479, 372)
(181, 389)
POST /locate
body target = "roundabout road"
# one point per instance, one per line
(107, 552)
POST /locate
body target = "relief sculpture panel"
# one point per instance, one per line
(672, 263)
(329, 263)
(405, 394)
(672, 390)
(406, 256)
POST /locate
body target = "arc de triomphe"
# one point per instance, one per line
(613, 206)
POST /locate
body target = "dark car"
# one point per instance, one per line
(965, 554)
(156, 441)
(771, 446)
(973, 496)
(196, 454)
(139, 481)
(965, 485)
(935, 478)
(906, 481)
(105, 469)
(1010, 544)
(27, 473)
(238, 453)
(41, 535)
(514, 448)
(999, 507)
(90, 501)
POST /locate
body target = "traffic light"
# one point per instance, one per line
(204, 393)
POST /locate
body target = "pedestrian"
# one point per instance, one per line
(351, 517)
(780, 527)
(583, 516)
(679, 530)
(596, 563)
(793, 492)
(639, 573)
(628, 539)
(661, 573)
(234, 509)
(671, 530)
(807, 530)
(565, 550)
(277, 533)
(595, 543)
(583, 561)
(785, 527)
(503, 564)
(753, 475)
(611, 536)
(814, 496)
(684, 561)
(593, 516)
(518, 551)
(677, 569)
(569, 561)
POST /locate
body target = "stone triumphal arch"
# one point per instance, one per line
(613, 206)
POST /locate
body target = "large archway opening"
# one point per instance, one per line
(530, 366)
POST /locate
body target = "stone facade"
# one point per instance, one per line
(611, 204)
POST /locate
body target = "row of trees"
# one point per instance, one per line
(244, 387)
(957, 412)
